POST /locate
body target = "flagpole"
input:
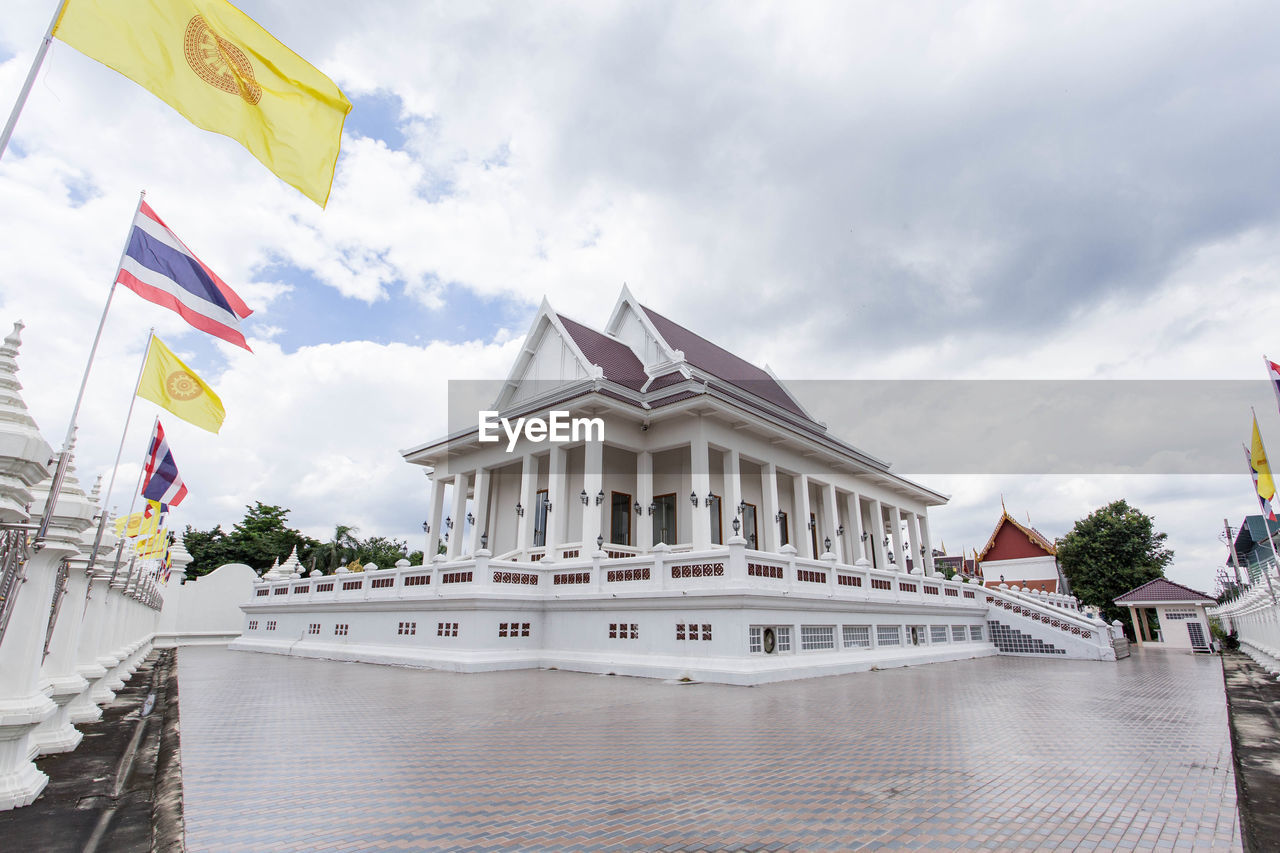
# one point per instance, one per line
(111, 482)
(1262, 505)
(31, 79)
(60, 472)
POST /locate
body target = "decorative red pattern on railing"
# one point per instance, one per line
(629, 575)
(533, 558)
(455, 577)
(516, 578)
(968, 593)
(571, 577)
(809, 576)
(880, 583)
(327, 586)
(764, 570)
(382, 583)
(281, 590)
(417, 580)
(1044, 618)
(953, 593)
(570, 554)
(906, 587)
(297, 590)
(930, 590)
(848, 580)
(618, 555)
(352, 584)
(698, 570)
(263, 592)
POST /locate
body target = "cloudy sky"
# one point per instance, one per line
(851, 191)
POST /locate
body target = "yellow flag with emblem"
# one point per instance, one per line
(166, 381)
(152, 546)
(138, 524)
(223, 72)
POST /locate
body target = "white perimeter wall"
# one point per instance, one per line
(207, 609)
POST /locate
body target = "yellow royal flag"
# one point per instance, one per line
(223, 72)
(138, 524)
(152, 546)
(168, 382)
(1262, 478)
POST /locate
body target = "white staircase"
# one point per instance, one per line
(1024, 623)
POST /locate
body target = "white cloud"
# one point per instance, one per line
(984, 190)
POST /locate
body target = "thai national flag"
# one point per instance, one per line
(162, 481)
(161, 269)
(1273, 373)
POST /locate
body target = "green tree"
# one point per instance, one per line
(382, 551)
(257, 540)
(1110, 551)
(338, 551)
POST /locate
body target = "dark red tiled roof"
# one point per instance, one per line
(721, 363)
(1163, 589)
(616, 358)
(674, 398)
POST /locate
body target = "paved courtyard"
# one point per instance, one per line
(999, 753)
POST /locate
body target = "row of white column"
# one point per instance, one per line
(870, 545)
(73, 637)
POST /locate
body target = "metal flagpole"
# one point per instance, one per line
(31, 79)
(111, 482)
(60, 472)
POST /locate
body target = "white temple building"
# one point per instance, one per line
(698, 524)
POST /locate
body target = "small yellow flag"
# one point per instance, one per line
(1262, 479)
(152, 546)
(138, 524)
(168, 382)
(223, 72)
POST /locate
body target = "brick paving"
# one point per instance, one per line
(991, 754)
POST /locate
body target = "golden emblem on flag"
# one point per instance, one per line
(181, 385)
(218, 62)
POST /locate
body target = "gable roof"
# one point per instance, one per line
(722, 364)
(611, 355)
(1036, 538)
(1163, 589)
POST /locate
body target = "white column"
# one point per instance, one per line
(435, 520)
(479, 509)
(592, 483)
(853, 509)
(913, 537)
(929, 567)
(700, 479)
(733, 491)
(895, 536)
(644, 488)
(459, 515)
(556, 495)
(833, 521)
(800, 527)
(528, 500)
(765, 524)
(878, 536)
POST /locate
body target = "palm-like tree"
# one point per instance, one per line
(339, 550)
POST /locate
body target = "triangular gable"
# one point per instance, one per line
(1011, 540)
(549, 357)
(630, 324)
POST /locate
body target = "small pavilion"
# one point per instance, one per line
(1179, 611)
